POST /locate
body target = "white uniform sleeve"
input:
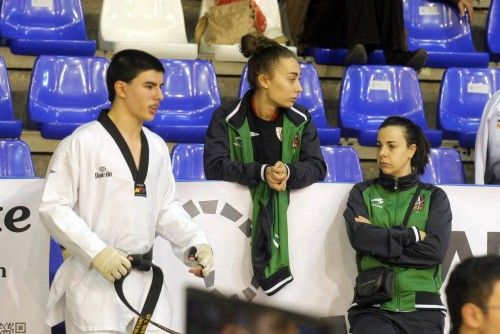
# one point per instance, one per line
(174, 223)
(481, 147)
(57, 208)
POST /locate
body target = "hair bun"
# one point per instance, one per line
(252, 44)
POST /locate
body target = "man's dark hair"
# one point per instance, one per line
(472, 281)
(126, 65)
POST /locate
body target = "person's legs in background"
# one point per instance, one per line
(379, 23)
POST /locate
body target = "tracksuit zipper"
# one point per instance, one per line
(398, 299)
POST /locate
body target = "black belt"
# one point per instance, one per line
(144, 262)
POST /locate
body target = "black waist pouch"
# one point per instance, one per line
(374, 286)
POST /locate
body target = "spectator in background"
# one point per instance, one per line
(266, 142)
(401, 227)
(487, 148)
(362, 26)
(473, 296)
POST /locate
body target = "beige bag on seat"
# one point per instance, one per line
(226, 24)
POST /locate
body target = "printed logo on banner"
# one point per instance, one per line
(12, 327)
(232, 214)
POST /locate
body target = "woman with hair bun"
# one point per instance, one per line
(400, 229)
(266, 142)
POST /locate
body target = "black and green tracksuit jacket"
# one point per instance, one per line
(386, 242)
(229, 156)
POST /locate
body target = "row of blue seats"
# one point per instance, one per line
(343, 163)
(66, 92)
(438, 28)
(58, 28)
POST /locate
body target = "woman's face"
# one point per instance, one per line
(282, 84)
(393, 153)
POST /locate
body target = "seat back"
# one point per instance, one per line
(49, 20)
(68, 89)
(342, 164)
(493, 30)
(445, 167)
(187, 162)
(372, 93)
(464, 93)
(190, 91)
(15, 159)
(160, 21)
(436, 26)
(6, 108)
(9, 126)
(311, 96)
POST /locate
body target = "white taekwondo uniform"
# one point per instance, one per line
(487, 150)
(90, 202)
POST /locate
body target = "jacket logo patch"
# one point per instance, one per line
(237, 142)
(102, 172)
(419, 203)
(377, 202)
(296, 142)
(279, 133)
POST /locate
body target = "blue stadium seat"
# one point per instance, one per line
(45, 27)
(15, 159)
(311, 98)
(325, 56)
(493, 30)
(342, 164)
(370, 94)
(464, 93)
(191, 96)
(187, 162)
(66, 92)
(55, 259)
(446, 36)
(445, 167)
(9, 126)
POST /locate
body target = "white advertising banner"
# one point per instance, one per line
(321, 259)
(24, 258)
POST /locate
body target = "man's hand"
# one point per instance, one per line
(361, 219)
(465, 6)
(423, 235)
(277, 176)
(200, 259)
(111, 263)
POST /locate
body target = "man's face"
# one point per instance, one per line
(143, 95)
(491, 318)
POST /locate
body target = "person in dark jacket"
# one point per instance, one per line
(413, 251)
(266, 142)
(362, 26)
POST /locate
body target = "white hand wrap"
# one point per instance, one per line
(111, 263)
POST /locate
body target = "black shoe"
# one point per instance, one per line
(414, 59)
(356, 55)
